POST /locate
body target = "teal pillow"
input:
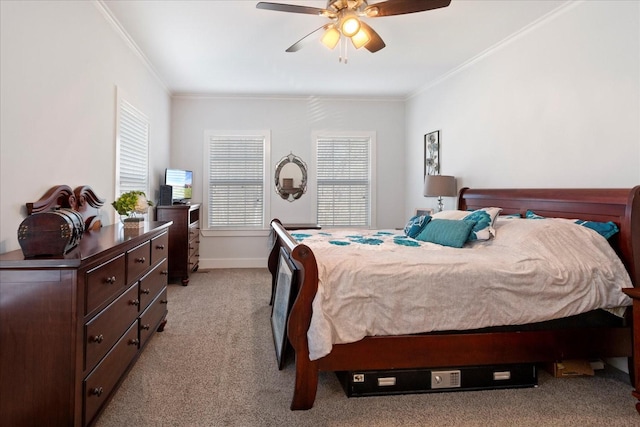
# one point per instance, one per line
(605, 229)
(415, 225)
(447, 232)
(533, 215)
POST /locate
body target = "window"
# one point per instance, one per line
(345, 182)
(235, 173)
(132, 149)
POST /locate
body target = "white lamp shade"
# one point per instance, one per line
(360, 39)
(440, 186)
(331, 37)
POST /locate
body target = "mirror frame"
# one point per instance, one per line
(295, 193)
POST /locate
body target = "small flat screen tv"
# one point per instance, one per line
(181, 182)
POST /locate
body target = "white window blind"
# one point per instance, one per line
(343, 181)
(133, 150)
(236, 186)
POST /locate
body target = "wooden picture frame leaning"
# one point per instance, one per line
(287, 277)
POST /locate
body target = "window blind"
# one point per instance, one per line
(343, 179)
(133, 150)
(236, 181)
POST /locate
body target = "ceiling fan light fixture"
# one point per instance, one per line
(372, 11)
(331, 37)
(361, 38)
(350, 25)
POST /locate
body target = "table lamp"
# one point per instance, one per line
(439, 186)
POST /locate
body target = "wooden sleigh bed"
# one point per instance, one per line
(472, 348)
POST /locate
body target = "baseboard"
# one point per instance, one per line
(207, 264)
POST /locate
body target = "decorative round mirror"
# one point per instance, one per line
(291, 177)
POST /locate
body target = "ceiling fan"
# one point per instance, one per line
(346, 19)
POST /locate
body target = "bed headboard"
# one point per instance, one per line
(622, 206)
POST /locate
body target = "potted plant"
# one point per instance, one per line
(131, 206)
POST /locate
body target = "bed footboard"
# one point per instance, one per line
(300, 316)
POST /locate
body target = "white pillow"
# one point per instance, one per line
(485, 218)
(450, 214)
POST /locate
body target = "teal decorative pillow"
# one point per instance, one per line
(533, 215)
(605, 229)
(484, 219)
(415, 225)
(447, 232)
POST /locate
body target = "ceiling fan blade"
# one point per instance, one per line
(376, 43)
(305, 40)
(401, 7)
(291, 8)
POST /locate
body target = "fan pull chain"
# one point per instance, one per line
(343, 50)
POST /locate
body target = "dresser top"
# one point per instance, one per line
(93, 244)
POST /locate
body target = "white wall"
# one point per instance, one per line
(291, 122)
(556, 106)
(60, 65)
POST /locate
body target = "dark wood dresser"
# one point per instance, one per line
(72, 326)
(184, 236)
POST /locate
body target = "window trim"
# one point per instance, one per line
(313, 168)
(224, 231)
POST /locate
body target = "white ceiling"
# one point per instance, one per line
(230, 47)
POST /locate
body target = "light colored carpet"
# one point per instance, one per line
(214, 365)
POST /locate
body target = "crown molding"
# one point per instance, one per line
(111, 19)
(499, 45)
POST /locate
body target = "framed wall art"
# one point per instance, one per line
(286, 287)
(432, 153)
(424, 211)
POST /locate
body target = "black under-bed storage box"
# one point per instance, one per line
(429, 380)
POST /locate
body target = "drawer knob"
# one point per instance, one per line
(160, 247)
(163, 301)
(145, 327)
(134, 302)
(145, 291)
(134, 341)
(97, 338)
(165, 272)
(110, 280)
(140, 260)
(97, 391)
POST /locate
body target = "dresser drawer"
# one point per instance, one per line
(193, 261)
(105, 329)
(103, 282)
(152, 317)
(152, 283)
(138, 261)
(193, 248)
(159, 248)
(194, 231)
(100, 383)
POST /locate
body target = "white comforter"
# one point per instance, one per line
(382, 283)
